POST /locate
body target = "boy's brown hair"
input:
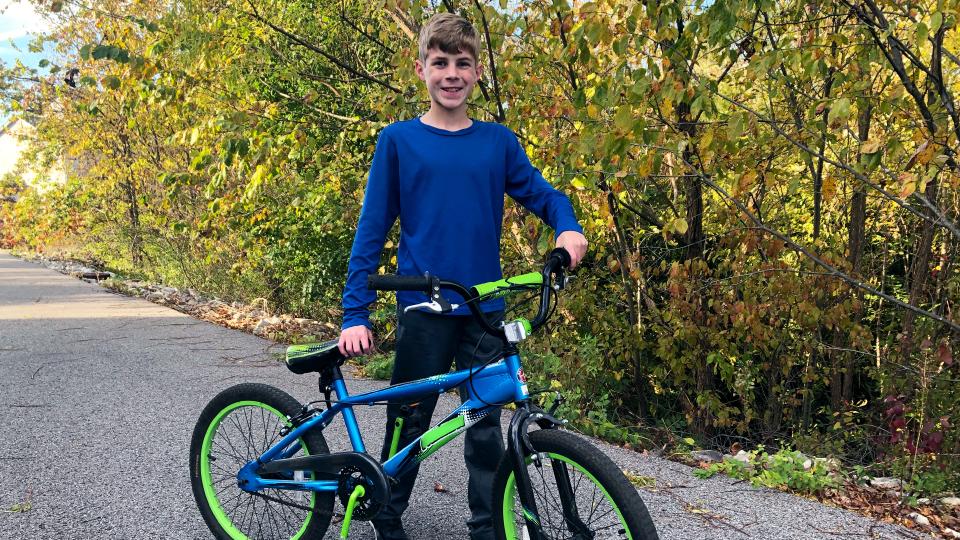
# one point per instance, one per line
(451, 34)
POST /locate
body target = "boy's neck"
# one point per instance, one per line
(445, 119)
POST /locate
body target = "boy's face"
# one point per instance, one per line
(449, 77)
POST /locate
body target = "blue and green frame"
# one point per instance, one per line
(491, 387)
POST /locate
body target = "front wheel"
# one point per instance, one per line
(238, 425)
(579, 492)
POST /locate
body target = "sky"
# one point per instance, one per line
(19, 23)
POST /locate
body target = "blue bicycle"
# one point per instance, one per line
(260, 466)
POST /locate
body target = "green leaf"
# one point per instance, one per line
(624, 118)
(43, 63)
(101, 51)
(85, 51)
(111, 82)
(735, 126)
(201, 160)
(920, 34)
(935, 21)
(839, 112)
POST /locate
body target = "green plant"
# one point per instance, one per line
(378, 366)
(784, 469)
(20, 507)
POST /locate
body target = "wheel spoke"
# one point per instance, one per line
(246, 427)
(589, 504)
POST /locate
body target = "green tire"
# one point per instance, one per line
(607, 503)
(238, 425)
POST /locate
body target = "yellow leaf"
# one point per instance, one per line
(706, 139)
(747, 179)
(922, 155)
(592, 111)
(908, 189)
(871, 146)
(829, 188)
(679, 225)
(646, 167)
(666, 108)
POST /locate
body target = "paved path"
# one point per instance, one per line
(99, 394)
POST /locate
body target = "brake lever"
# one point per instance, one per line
(433, 306)
(561, 281)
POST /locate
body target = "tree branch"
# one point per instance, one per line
(493, 63)
(351, 24)
(831, 270)
(296, 39)
(941, 220)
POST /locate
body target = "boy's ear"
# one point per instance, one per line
(418, 68)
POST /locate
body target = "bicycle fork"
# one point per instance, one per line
(518, 448)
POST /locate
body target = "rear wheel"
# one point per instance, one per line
(579, 492)
(237, 426)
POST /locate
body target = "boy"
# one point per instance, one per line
(445, 176)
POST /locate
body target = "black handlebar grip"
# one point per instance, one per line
(563, 257)
(391, 282)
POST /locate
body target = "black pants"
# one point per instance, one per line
(426, 344)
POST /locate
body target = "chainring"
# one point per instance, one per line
(366, 507)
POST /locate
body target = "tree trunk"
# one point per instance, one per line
(856, 231)
(919, 271)
(693, 191)
(129, 187)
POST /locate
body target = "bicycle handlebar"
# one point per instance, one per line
(390, 282)
(558, 259)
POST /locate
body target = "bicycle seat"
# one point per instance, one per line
(314, 357)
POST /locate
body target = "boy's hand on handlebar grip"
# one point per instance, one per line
(575, 244)
(356, 341)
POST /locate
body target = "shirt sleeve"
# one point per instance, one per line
(526, 185)
(381, 206)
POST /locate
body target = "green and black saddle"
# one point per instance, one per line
(314, 357)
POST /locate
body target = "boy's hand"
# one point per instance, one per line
(575, 244)
(356, 341)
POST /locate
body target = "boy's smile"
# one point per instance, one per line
(449, 78)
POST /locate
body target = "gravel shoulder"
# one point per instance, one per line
(100, 393)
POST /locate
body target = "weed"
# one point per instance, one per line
(785, 469)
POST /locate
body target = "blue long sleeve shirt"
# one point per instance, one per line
(447, 188)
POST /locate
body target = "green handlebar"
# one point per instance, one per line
(533, 278)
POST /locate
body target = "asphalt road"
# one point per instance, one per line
(99, 394)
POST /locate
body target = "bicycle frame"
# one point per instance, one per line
(498, 383)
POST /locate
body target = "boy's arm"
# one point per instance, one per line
(381, 206)
(526, 185)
